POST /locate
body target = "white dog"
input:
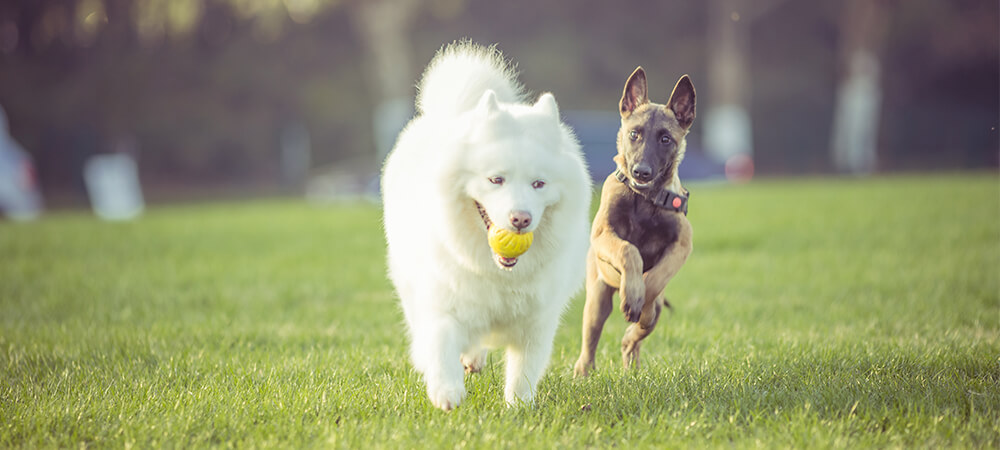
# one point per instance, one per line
(476, 155)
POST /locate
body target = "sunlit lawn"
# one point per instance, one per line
(813, 313)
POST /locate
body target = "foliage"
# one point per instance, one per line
(206, 86)
(813, 313)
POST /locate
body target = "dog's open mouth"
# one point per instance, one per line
(639, 185)
(504, 263)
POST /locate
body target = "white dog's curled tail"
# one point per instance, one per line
(460, 73)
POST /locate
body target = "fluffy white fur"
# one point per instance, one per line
(473, 125)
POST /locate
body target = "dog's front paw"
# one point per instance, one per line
(633, 295)
(631, 311)
(582, 368)
(632, 304)
(444, 396)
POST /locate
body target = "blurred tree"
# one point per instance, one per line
(199, 83)
(857, 115)
(728, 129)
(941, 67)
(385, 27)
(207, 86)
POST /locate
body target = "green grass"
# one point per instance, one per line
(813, 313)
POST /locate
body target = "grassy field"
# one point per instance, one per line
(819, 313)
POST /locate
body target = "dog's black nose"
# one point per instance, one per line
(642, 173)
(520, 219)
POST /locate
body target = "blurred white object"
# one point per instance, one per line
(856, 119)
(113, 186)
(728, 133)
(347, 180)
(19, 196)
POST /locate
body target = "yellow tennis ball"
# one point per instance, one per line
(509, 244)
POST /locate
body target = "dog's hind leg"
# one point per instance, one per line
(638, 331)
(595, 313)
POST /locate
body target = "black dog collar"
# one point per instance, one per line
(665, 199)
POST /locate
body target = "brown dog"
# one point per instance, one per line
(641, 236)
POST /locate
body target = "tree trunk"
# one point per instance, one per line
(854, 137)
(385, 26)
(727, 130)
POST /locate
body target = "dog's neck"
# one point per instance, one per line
(671, 196)
(672, 183)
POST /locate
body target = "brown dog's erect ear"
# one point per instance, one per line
(635, 92)
(682, 102)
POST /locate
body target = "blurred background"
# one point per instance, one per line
(230, 98)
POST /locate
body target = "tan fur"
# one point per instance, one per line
(613, 261)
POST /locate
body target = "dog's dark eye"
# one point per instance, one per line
(538, 184)
(496, 180)
(664, 139)
(633, 135)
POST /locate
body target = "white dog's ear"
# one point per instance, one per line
(546, 104)
(488, 103)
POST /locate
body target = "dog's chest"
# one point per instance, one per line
(651, 229)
